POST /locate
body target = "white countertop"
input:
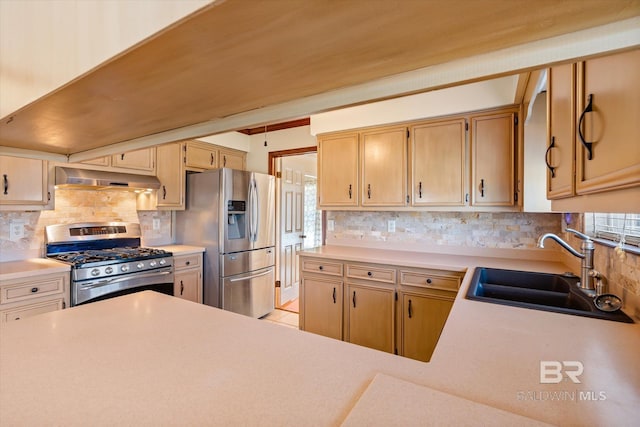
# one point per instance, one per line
(181, 249)
(150, 359)
(31, 267)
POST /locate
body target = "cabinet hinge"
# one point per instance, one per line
(395, 351)
(277, 283)
(515, 196)
(515, 120)
(396, 295)
(466, 125)
(278, 174)
(407, 199)
(408, 133)
(48, 196)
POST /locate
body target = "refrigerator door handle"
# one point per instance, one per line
(250, 211)
(255, 214)
(240, 279)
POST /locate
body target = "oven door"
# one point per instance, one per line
(160, 280)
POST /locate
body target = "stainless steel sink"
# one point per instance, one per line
(539, 291)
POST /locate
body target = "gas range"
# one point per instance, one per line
(107, 260)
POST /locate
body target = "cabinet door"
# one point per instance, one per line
(423, 318)
(231, 159)
(371, 314)
(170, 172)
(24, 181)
(143, 159)
(437, 170)
(188, 285)
(561, 109)
(384, 167)
(28, 310)
(201, 156)
(612, 83)
(338, 170)
(322, 307)
(493, 159)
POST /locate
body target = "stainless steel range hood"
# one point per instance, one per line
(87, 179)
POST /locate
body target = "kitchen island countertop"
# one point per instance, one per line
(150, 359)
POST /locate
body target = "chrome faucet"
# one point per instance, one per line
(587, 273)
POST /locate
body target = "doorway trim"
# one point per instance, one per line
(274, 157)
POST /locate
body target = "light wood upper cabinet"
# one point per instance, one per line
(384, 167)
(370, 317)
(143, 159)
(493, 160)
(437, 153)
(561, 110)
(23, 181)
(232, 159)
(338, 170)
(170, 171)
(201, 155)
(608, 122)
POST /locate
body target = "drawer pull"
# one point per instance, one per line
(320, 268)
(429, 281)
(34, 290)
(370, 274)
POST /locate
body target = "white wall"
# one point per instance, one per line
(236, 140)
(287, 139)
(47, 43)
(459, 99)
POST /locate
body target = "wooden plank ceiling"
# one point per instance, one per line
(239, 55)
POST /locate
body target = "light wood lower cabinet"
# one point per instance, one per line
(187, 277)
(29, 296)
(323, 306)
(423, 318)
(370, 317)
(390, 308)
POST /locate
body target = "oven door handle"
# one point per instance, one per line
(124, 279)
(240, 279)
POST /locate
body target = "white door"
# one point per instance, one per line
(291, 229)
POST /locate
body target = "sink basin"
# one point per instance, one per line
(539, 291)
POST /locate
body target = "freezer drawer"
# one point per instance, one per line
(242, 262)
(251, 294)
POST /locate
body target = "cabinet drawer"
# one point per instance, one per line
(378, 274)
(31, 310)
(187, 261)
(322, 267)
(31, 289)
(430, 280)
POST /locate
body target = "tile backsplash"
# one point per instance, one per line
(503, 230)
(79, 206)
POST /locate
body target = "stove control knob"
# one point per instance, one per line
(95, 272)
(162, 261)
(124, 268)
(140, 265)
(152, 264)
(108, 270)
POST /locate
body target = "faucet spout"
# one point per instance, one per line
(560, 242)
(586, 279)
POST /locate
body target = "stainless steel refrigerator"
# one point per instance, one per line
(232, 214)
